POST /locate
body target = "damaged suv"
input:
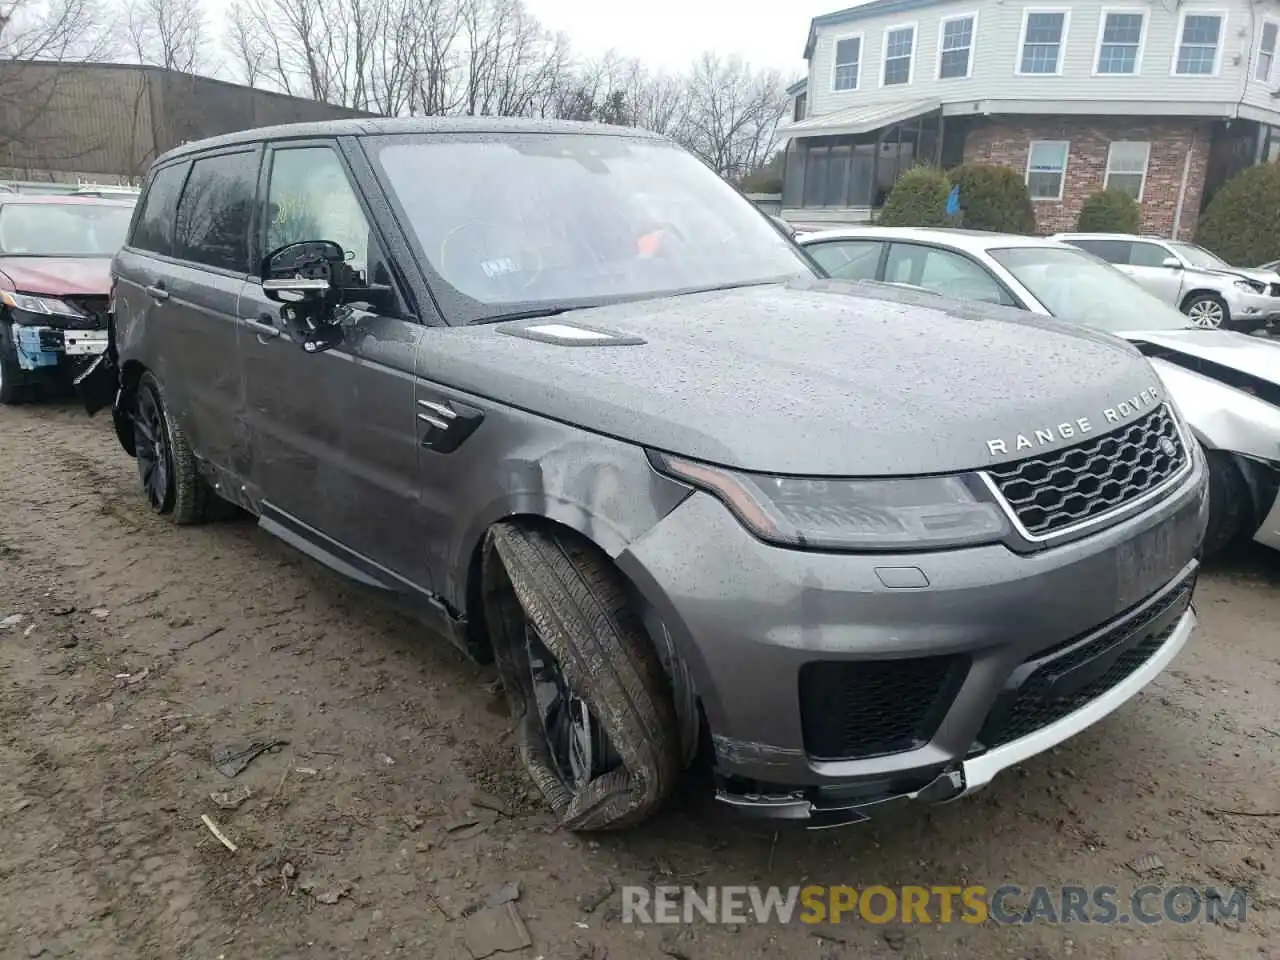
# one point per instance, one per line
(566, 389)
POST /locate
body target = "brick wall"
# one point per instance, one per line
(1006, 140)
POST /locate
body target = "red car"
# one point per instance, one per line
(55, 277)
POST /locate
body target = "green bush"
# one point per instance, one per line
(1109, 211)
(918, 199)
(994, 197)
(1242, 222)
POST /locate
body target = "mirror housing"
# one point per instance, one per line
(308, 279)
(1173, 263)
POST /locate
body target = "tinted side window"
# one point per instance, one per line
(216, 209)
(1147, 255)
(848, 259)
(153, 230)
(1112, 251)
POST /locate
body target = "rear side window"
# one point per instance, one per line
(216, 209)
(154, 228)
(848, 259)
(1112, 251)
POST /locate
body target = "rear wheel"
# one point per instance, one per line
(597, 726)
(1229, 506)
(166, 466)
(1207, 311)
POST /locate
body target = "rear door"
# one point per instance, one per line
(175, 296)
(334, 434)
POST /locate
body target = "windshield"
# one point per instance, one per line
(1198, 256)
(63, 229)
(1077, 286)
(536, 221)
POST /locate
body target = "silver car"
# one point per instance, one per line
(1226, 384)
(1201, 284)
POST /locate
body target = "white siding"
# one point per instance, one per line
(998, 46)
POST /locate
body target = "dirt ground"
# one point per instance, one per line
(370, 830)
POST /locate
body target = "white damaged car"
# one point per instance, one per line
(1226, 384)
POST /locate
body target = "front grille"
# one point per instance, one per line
(1091, 478)
(1034, 697)
(851, 709)
(95, 308)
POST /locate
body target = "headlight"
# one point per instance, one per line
(49, 306)
(1249, 286)
(919, 513)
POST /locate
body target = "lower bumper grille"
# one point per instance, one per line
(854, 709)
(1062, 680)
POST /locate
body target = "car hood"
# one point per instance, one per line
(1248, 273)
(1255, 356)
(816, 377)
(58, 276)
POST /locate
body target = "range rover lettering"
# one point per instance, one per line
(607, 427)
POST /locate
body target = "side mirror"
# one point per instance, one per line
(1173, 263)
(787, 229)
(308, 279)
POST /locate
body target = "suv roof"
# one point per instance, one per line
(969, 240)
(66, 198)
(356, 127)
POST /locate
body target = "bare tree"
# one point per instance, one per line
(166, 33)
(732, 114)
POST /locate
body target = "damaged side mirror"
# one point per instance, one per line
(307, 279)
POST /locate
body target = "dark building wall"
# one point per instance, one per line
(111, 121)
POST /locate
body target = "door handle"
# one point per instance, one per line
(264, 326)
(157, 292)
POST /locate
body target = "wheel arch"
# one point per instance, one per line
(131, 372)
(1203, 292)
(681, 673)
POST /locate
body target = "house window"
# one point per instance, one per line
(1120, 43)
(801, 100)
(1043, 33)
(1266, 52)
(1198, 46)
(899, 44)
(954, 47)
(848, 63)
(1127, 167)
(1046, 169)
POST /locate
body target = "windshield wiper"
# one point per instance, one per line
(537, 313)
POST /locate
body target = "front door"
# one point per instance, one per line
(334, 434)
(1147, 266)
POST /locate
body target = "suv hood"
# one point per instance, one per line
(816, 377)
(1267, 277)
(58, 276)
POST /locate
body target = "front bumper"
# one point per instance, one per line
(40, 348)
(1261, 307)
(750, 629)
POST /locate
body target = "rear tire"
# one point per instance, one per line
(1229, 506)
(615, 690)
(167, 468)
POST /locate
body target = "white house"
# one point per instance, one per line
(1162, 99)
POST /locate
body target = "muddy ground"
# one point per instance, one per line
(142, 647)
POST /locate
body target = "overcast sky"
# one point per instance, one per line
(671, 33)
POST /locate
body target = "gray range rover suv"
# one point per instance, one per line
(568, 392)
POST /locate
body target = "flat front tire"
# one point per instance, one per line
(12, 381)
(592, 703)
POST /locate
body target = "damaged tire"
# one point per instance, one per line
(592, 703)
(1229, 503)
(12, 378)
(167, 468)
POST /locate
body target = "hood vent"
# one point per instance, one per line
(563, 334)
